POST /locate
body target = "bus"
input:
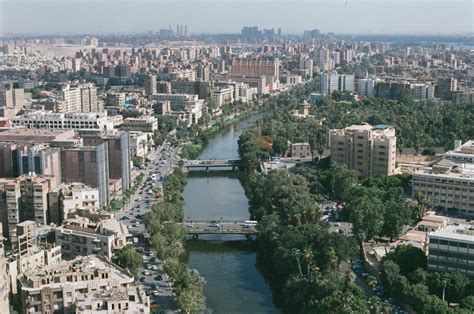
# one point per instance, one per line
(251, 222)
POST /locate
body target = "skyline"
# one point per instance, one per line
(74, 17)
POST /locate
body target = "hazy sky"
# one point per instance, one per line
(228, 16)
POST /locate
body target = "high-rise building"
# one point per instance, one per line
(8, 48)
(445, 87)
(89, 165)
(80, 98)
(332, 81)
(118, 144)
(4, 288)
(366, 87)
(256, 67)
(12, 100)
(150, 84)
(369, 149)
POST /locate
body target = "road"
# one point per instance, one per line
(156, 283)
(220, 227)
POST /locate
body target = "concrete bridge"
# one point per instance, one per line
(195, 228)
(217, 164)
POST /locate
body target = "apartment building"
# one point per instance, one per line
(80, 120)
(81, 236)
(26, 198)
(146, 124)
(300, 150)
(116, 100)
(4, 286)
(118, 144)
(67, 199)
(422, 91)
(30, 252)
(366, 86)
(369, 149)
(150, 84)
(256, 67)
(11, 101)
(80, 98)
(200, 88)
(89, 165)
(138, 144)
(132, 299)
(333, 81)
(451, 249)
(57, 287)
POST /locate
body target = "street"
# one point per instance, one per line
(151, 274)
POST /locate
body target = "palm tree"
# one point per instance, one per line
(332, 259)
(349, 278)
(308, 257)
(371, 282)
(296, 254)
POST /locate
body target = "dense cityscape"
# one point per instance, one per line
(266, 171)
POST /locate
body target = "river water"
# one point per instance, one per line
(234, 285)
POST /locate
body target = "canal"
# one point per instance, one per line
(233, 283)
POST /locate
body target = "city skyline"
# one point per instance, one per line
(342, 17)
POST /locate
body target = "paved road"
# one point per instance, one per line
(152, 276)
(220, 227)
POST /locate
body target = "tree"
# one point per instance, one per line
(408, 258)
(366, 214)
(371, 283)
(468, 303)
(422, 201)
(127, 257)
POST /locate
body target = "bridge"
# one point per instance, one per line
(218, 164)
(198, 227)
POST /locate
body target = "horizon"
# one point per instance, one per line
(101, 17)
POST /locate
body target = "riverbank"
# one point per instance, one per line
(196, 145)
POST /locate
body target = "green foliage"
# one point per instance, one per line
(128, 258)
(167, 236)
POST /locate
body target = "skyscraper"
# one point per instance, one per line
(150, 84)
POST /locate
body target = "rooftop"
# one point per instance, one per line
(455, 232)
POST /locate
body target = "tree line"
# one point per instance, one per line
(168, 236)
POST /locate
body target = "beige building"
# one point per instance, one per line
(369, 149)
(138, 144)
(143, 124)
(300, 150)
(58, 287)
(80, 98)
(118, 300)
(4, 287)
(81, 236)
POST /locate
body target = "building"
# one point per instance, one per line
(118, 143)
(256, 67)
(147, 124)
(124, 300)
(221, 95)
(67, 199)
(451, 249)
(4, 287)
(77, 121)
(366, 87)
(80, 98)
(138, 144)
(89, 165)
(30, 253)
(445, 86)
(300, 150)
(422, 91)
(57, 287)
(26, 198)
(12, 100)
(200, 88)
(80, 236)
(369, 149)
(150, 84)
(116, 100)
(332, 81)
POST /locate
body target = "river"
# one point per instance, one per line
(234, 285)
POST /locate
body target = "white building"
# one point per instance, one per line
(138, 144)
(366, 87)
(142, 124)
(333, 81)
(80, 120)
(221, 95)
(422, 91)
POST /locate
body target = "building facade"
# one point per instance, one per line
(368, 149)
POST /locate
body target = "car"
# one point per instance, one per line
(143, 279)
(155, 286)
(129, 227)
(214, 225)
(159, 277)
(146, 273)
(154, 267)
(149, 267)
(155, 293)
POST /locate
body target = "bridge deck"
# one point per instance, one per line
(220, 227)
